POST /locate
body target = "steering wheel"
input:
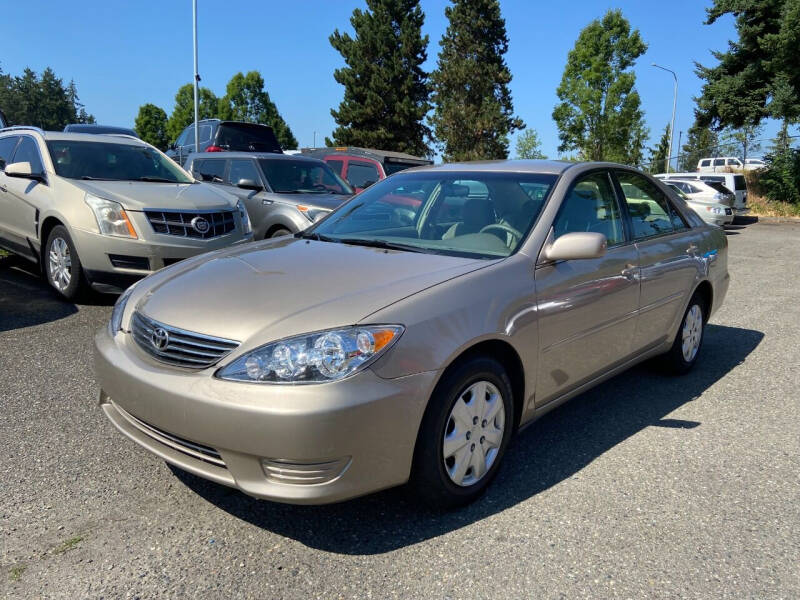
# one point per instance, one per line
(502, 227)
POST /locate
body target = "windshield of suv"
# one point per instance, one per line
(297, 176)
(113, 162)
(476, 214)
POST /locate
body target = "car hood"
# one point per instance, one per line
(277, 288)
(329, 201)
(140, 195)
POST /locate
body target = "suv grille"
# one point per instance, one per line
(202, 225)
(176, 346)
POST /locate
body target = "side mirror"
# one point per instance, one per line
(576, 246)
(249, 184)
(23, 170)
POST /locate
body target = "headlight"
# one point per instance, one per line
(312, 214)
(111, 217)
(115, 324)
(313, 357)
(247, 227)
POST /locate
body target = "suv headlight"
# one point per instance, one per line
(312, 214)
(313, 357)
(111, 217)
(115, 323)
(247, 227)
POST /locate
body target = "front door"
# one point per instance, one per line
(587, 308)
(22, 197)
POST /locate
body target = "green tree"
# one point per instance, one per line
(744, 141)
(247, 100)
(529, 145)
(183, 111)
(151, 126)
(701, 142)
(600, 112)
(759, 75)
(659, 154)
(474, 112)
(385, 88)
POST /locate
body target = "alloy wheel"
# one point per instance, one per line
(60, 264)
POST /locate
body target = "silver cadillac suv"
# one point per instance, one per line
(106, 210)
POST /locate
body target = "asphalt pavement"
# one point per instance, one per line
(646, 486)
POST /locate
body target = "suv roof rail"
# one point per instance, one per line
(20, 127)
(125, 135)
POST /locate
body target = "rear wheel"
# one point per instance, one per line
(62, 267)
(280, 233)
(464, 434)
(686, 347)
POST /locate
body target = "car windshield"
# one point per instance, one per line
(476, 214)
(299, 176)
(113, 162)
(678, 191)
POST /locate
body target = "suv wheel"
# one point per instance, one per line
(464, 434)
(62, 265)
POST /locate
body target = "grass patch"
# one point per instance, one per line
(16, 572)
(764, 207)
(68, 545)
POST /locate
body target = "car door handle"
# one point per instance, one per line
(265, 202)
(630, 272)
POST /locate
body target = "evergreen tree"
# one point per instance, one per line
(385, 88)
(759, 75)
(183, 111)
(151, 126)
(658, 154)
(474, 113)
(247, 100)
(600, 112)
(701, 142)
(529, 146)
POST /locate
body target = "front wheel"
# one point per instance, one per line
(464, 434)
(62, 267)
(683, 354)
(280, 233)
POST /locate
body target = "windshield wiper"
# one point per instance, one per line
(310, 235)
(90, 178)
(384, 244)
(157, 179)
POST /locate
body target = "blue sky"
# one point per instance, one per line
(124, 54)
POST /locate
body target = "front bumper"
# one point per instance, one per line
(96, 252)
(325, 442)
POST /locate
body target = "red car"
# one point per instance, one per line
(362, 167)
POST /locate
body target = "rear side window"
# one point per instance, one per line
(7, 145)
(243, 169)
(361, 173)
(734, 161)
(204, 133)
(28, 152)
(739, 182)
(247, 137)
(210, 169)
(719, 162)
(705, 163)
(336, 165)
(651, 213)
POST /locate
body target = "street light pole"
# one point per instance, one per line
(196, 79)
(674, 105)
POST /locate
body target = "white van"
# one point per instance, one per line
(713, 165)
(735, 182)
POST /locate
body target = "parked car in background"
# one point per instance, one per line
(283, 193)
(710, 211)
(361, 167)
(734, 183)
(753, 164)
(224, 136)
(722, 163)
(359, 355)
(105, 210)
(98, 129)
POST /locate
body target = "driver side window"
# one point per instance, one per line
(591, 205)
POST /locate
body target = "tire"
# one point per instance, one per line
(280, 233)
(686, 348)
(62, 266)
(434, 475)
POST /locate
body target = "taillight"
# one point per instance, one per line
(215, 149)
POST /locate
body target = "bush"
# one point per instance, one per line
(780, 179)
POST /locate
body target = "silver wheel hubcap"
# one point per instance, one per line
(692, 333)
(473, 433)
(60, 264)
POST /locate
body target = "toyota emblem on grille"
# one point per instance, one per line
(200, 225)
(159, 338)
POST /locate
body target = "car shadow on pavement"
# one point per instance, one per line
(27, 300)
(552, 450)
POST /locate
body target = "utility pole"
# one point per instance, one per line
(196, 80)
(674, 105)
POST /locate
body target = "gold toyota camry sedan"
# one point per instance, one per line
(409, 334)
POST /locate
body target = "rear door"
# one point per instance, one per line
(668, 257)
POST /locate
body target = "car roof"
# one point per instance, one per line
(550, 167)
(388, 155)
(114, 138)
(275, 155)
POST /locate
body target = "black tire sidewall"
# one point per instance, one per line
(74, 288)
(280, 232)
(429, 476)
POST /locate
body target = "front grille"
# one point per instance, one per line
(193, 449)
(176, 346)
(171, 261)
(200, 225)
(728, 211)
(129, 262)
